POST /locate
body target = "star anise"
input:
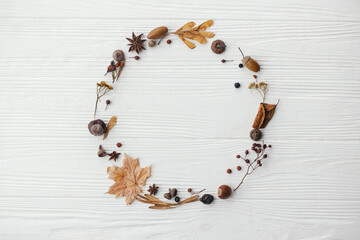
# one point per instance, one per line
(153, 189)
(114, 155)
(136, 43)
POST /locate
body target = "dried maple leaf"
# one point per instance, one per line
(188, 31)
(128, 179)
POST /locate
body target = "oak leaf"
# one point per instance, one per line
(128, 179)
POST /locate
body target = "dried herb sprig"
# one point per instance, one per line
(261, 87)
(259, 149)
(102, 88)
(158, 204)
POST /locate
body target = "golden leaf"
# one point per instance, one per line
(188, 31)
(128, 179)
(110, 125)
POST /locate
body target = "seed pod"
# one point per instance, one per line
(97, 127)
(250, 63)
(218, 46)
(151, 43)
(101, 152)
(224, 191)
(118, 55)
(173, 192)
(255, 134)
(157, 33)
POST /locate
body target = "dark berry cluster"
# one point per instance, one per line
(256, 162)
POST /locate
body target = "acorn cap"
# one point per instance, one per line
(245, 60)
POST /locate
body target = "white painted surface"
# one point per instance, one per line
(178, 110)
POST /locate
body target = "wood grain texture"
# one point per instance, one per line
(177, 109)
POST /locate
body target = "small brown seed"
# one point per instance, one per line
(173, 192)
(167, 196)
(152, 43)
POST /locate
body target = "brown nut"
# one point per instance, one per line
(167, 196)
(224, 191)
(151, 43)
(255, 134)
(157, 32)
(118, 55)
(97, 127)
(218, 46)
(173, 192)
(251, 64)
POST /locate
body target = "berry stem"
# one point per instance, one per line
(241, 52)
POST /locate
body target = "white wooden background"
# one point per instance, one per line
(178, 110)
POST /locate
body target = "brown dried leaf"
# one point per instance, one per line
(205, 25)
(207, 34)
(160, 207)
(128, 179)
(110, 125)
(265, 113)
(186, 26)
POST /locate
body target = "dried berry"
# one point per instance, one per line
(207, 199)
(229, 171)
(189, 190)
(136, 57)
(118, 55)
(247, 160)
(101, 152)
(107, 103)
(97, 127)
(218, 46)
(173, 192)
(255, 134)
(247, 152)
(265, 156)
(152, 43)
(238, 156)
(269, 146)
(118, 144)
(238, 168)
(237, 85)
(224, 191)
(168, 41)
(177, 199)
(224, 60)
(241, 66)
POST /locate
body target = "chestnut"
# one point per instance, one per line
(97, 127)
(224, 191)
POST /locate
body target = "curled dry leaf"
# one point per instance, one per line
(110, 125)
(265, 113)
(128, 179)
(188, 31)
(158, 204)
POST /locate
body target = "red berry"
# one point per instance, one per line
(247, 152)
(189, 190)
(255, 76)
(247, 160)
(269, 146)
(118, 144)
(258, 162)
(265, 156)
(238, 168)
(237, 156)
(136, 57)
(168, 41)
(223, 60)
(228, 171)
(253, 148)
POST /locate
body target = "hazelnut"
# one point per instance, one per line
(97, 127)
(118, 55)
(224, 191)
(167, 196)
(255, 134)
(173, 192)
(218, 46)
(101, 152)
(151, 43)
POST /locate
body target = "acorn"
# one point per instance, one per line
(97, 127)
(255, 134)
(224, 191)
(157, 33)
(118, 55)
(250, 63)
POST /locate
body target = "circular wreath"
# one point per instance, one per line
(130, 178)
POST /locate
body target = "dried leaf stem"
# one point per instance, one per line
(102, 88)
